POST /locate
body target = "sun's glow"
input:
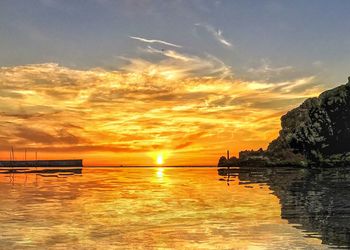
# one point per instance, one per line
(160, 160)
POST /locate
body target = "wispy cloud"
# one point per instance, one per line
(177, 65)
(154, 41)
(278, 75)
(216, 33)
(170, 53)
(266, 68)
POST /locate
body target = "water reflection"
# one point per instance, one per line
(316, 201)
(160, 173)
(23, 177)
(145, 208)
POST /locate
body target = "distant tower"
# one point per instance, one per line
(13, 154)
(228, 154)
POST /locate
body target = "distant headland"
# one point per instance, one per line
(317, 133)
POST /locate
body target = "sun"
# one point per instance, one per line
(160, 159)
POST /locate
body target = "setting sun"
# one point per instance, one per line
(160, 159)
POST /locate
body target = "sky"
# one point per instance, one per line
(128, 82)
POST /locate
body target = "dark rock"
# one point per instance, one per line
(315, 133)
(222, 161)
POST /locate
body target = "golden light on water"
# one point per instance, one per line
(251, 213)
(160, 172)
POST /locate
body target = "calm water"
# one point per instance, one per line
(183, 208)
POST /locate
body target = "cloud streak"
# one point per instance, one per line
(217, 34)
(175, 65)
(169, 53)
(154, 41)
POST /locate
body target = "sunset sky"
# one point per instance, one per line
(127, 81)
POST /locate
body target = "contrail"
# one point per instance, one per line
(154, 41)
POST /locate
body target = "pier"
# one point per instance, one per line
(42, 163)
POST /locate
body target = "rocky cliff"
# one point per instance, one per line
(315, 133)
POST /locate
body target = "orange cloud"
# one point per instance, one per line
(120, 117)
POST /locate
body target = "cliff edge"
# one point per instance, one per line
(315, 133)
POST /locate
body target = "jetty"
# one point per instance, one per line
(41, 166)
(42, 163)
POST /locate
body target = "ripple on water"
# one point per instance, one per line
(179, 208)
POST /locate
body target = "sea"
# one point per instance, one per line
(176, 208)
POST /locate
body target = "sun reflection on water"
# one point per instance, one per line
(160, 173)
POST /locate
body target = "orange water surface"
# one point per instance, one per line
(144, 208)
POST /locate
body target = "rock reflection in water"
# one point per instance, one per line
(143, 208)
(314, 200)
